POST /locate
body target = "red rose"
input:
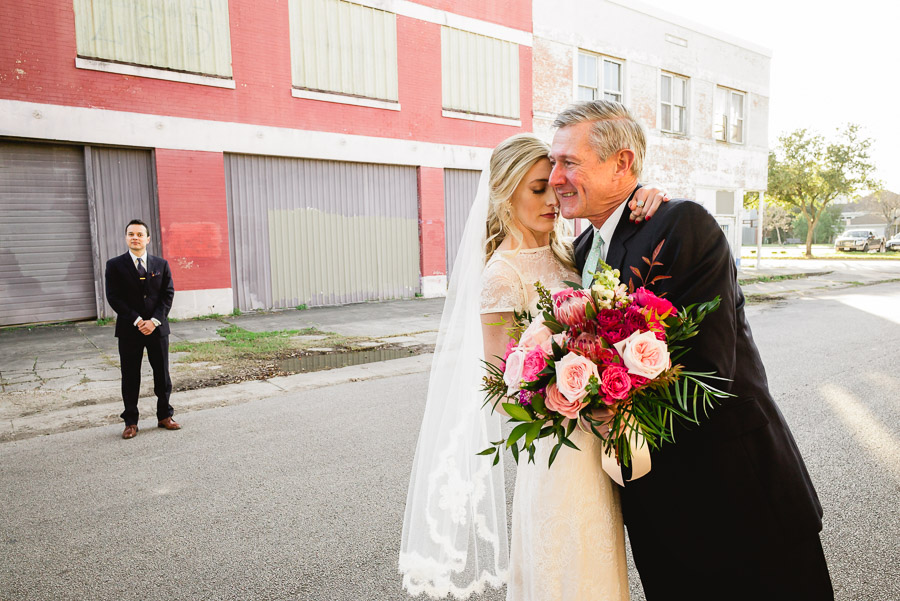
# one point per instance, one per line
(615, 382)
(608, 318)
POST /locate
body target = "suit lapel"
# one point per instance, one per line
(624, 231)
(582, 246)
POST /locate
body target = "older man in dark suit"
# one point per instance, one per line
(729, 510)
(139, 288)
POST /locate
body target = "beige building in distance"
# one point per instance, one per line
(702, 95)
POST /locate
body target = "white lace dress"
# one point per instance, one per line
(568, 541)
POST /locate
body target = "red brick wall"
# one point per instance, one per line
(193, 218)
(431, 221)
(37, 56)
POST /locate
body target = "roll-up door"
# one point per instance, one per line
(121, 187)
(46, 265)
(460, 187)
(310, 232)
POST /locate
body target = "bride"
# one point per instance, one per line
(567, 533)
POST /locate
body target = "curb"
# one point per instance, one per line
(90, 416)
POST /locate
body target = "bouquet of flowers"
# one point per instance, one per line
(603, 347)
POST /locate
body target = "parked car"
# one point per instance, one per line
(893, 243)
(864, 240)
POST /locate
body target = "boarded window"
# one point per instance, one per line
(343, 48)
(183, 35)
(480, 74)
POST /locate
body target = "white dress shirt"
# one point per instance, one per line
(134, 259)
(608, 229)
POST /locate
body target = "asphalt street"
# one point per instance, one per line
(301, 495)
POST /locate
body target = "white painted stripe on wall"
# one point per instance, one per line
(442, 17)
(481, 118)
(138, 71)
(343, 99)
(193, 303)
(120, 128)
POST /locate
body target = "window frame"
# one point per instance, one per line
(671, 103)
(602, 89)
(728, 115)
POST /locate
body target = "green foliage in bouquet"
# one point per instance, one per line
(653, 409)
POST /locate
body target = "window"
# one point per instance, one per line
(599, 77)
(729, 116)
(343, 48)
(673, 103)
(190, 36)
(480, 74)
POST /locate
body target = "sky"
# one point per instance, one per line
(832, 63)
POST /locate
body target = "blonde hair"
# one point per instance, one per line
(613, 129)
(510, 161)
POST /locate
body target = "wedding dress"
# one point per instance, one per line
(567, 541)
(567, 532)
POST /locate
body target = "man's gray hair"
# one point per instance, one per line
(613, 129)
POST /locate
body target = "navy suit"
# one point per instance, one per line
(729, 510)
(130, 297)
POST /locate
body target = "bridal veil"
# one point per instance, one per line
(454, 539)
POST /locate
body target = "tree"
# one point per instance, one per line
(887, 203)
(806, 173)
(780, 220)
(827, 227)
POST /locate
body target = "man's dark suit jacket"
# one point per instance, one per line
(731, 489)
(131, 298)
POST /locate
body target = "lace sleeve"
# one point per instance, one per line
(501, 289)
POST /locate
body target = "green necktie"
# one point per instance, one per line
(590, 265)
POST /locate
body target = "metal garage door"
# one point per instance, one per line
(46, 266)
(320, 232)
(460, 187)
(121, 187)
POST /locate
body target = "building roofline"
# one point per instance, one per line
(664, 15)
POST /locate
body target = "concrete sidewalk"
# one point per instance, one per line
(63, 377)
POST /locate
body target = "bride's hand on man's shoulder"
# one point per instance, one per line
(645, 202)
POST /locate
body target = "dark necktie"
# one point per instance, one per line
(140, 269)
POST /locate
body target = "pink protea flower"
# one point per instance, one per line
(587, 344)
(570, 307)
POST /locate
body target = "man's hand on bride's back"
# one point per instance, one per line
(644, 203)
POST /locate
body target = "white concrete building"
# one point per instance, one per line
(702, 95)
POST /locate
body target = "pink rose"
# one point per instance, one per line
(572, 375)
(547, 345)
(512, 375)
(510, 347)
(535, 335)
(570, 307)
(643, 354)
(644, 298)
(615, 382)
(555, 401)
(534, 363)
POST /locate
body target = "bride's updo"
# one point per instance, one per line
(510, 161)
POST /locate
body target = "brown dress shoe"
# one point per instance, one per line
(130, 431)
(169, 424)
